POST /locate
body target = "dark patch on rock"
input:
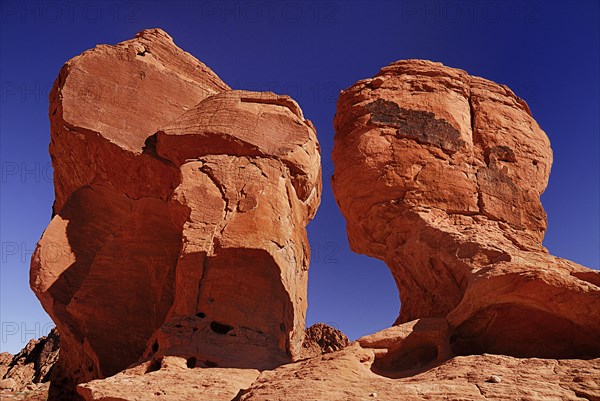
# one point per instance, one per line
(418, 125)
(500, 153)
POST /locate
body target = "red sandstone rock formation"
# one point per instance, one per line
(395, 364)
(171, 379)
(361, 372)
(178, 241)
(180, 215)
(32, 366)
(321, 338)
(439, 174)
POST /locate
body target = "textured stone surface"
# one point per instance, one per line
(349, 375)
(407, 362)
(5, 360)
(321, 338)
(401, 349)
(180, 215)
(33, 364)
(439, 174)
(263, 183)
(172, 379)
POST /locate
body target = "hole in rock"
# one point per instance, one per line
(201, 315)
(337, 303)
(155, 346)
(154, 365)
(191, 362)
(220, 328)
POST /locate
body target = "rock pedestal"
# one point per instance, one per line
(180, 214)
(439, 174)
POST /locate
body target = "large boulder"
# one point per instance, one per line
(439, 174)
(180, 215)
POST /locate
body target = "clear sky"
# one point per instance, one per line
(546, 51)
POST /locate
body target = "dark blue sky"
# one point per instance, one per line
(547, 52)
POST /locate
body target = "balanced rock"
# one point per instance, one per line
(180, 215)
(439, 174)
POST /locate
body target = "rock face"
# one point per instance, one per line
(32, 365)
(176, 261)
(171, 379)
(180, 215)
(396, 363)
(321, 338)
(439, 174)
(351, 374)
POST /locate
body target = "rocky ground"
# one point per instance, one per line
(26, 375)
(33, 393)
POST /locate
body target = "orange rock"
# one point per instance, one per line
(439, 174)
(321, 338)
(172, 379)
(33, 364)
(351, 374)
(180, 215)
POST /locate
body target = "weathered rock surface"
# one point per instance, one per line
(399, 350)
(180, 215)
(5, 360)
(407, 362)
(321, 338)
(171, 379)
(349, 375)
(439, 174)
(177, 258)
(32, 365)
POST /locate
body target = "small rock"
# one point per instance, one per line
(8, 384)
(494, 379)
(377, 82)
(373, 395)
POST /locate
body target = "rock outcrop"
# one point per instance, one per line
(179, 219)
(321, 338)
(355, 373)
(439, 174)
(32, 365)
(396, 363)
(176, 260)
(171, 379)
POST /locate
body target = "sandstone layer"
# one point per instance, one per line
(439, 174)
(180, 214)
(351, 374)
(395, 364)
